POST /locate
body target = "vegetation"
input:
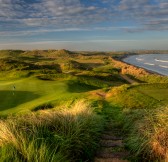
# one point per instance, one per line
(44, 118)
(129, 97)
(139, 73)
(148, 132)
(32, 92)
(144, 119)
(53, 135)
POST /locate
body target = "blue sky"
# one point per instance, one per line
(103, 25)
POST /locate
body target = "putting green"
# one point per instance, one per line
(32, 92)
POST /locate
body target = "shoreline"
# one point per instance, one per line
(148, 70)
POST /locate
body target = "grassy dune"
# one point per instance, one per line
(142, 112)
(49, 122)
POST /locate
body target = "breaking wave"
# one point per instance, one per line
(163, 66)
(139, 59)
(161, 60)
(149, 64)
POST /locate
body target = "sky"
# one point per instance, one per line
(97, 25)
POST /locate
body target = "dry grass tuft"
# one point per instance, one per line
(63, 135)
(149, 136)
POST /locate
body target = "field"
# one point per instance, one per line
(55, 104)
(31, 92)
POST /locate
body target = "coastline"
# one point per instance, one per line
(146, 69)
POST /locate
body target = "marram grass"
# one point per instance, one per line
(148, 135)
(69, 134)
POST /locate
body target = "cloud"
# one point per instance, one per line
(50, 12)
(27, 15)
(149, 14)
(43, 31)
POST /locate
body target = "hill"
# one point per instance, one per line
(56, 105)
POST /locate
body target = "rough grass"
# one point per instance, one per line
(144, 120)
(128, 97)
(148, 134)
(107, 69)
(49, 136)
(62, 77)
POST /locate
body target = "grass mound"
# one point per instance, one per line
(129, 97)
(53, 135)
(144, 118)
(10, 53)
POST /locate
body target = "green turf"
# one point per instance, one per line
(157, 91)
(32, 92)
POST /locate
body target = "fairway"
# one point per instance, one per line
(156, 91)
(32, 92)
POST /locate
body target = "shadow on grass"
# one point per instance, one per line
(10, 99)
(77, 87)
(44, 107)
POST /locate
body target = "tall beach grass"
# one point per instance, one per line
(69, 134)
(148, 134)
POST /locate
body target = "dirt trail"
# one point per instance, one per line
(129, 80)
(111, 143)
(111, 147)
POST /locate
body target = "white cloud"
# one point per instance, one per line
(150, 15)
(43, 31)
(63, 14)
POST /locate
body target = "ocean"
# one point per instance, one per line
(154, 62)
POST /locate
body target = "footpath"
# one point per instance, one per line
(111, 146)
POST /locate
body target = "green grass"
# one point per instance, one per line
(32, 92)
(144, 118)
(47, 81)
(147, 132)
(66, 135)
(107, 69)
(10, 53)
(156, 91)
(129, 97)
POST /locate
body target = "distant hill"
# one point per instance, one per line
(49, 53)
(10, 53)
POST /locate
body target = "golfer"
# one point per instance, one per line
(14, 89)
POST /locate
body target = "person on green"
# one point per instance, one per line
(14, 89)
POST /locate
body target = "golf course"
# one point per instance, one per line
(67, 106)
(32, 92)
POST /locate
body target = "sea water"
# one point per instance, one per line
(154, 62)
